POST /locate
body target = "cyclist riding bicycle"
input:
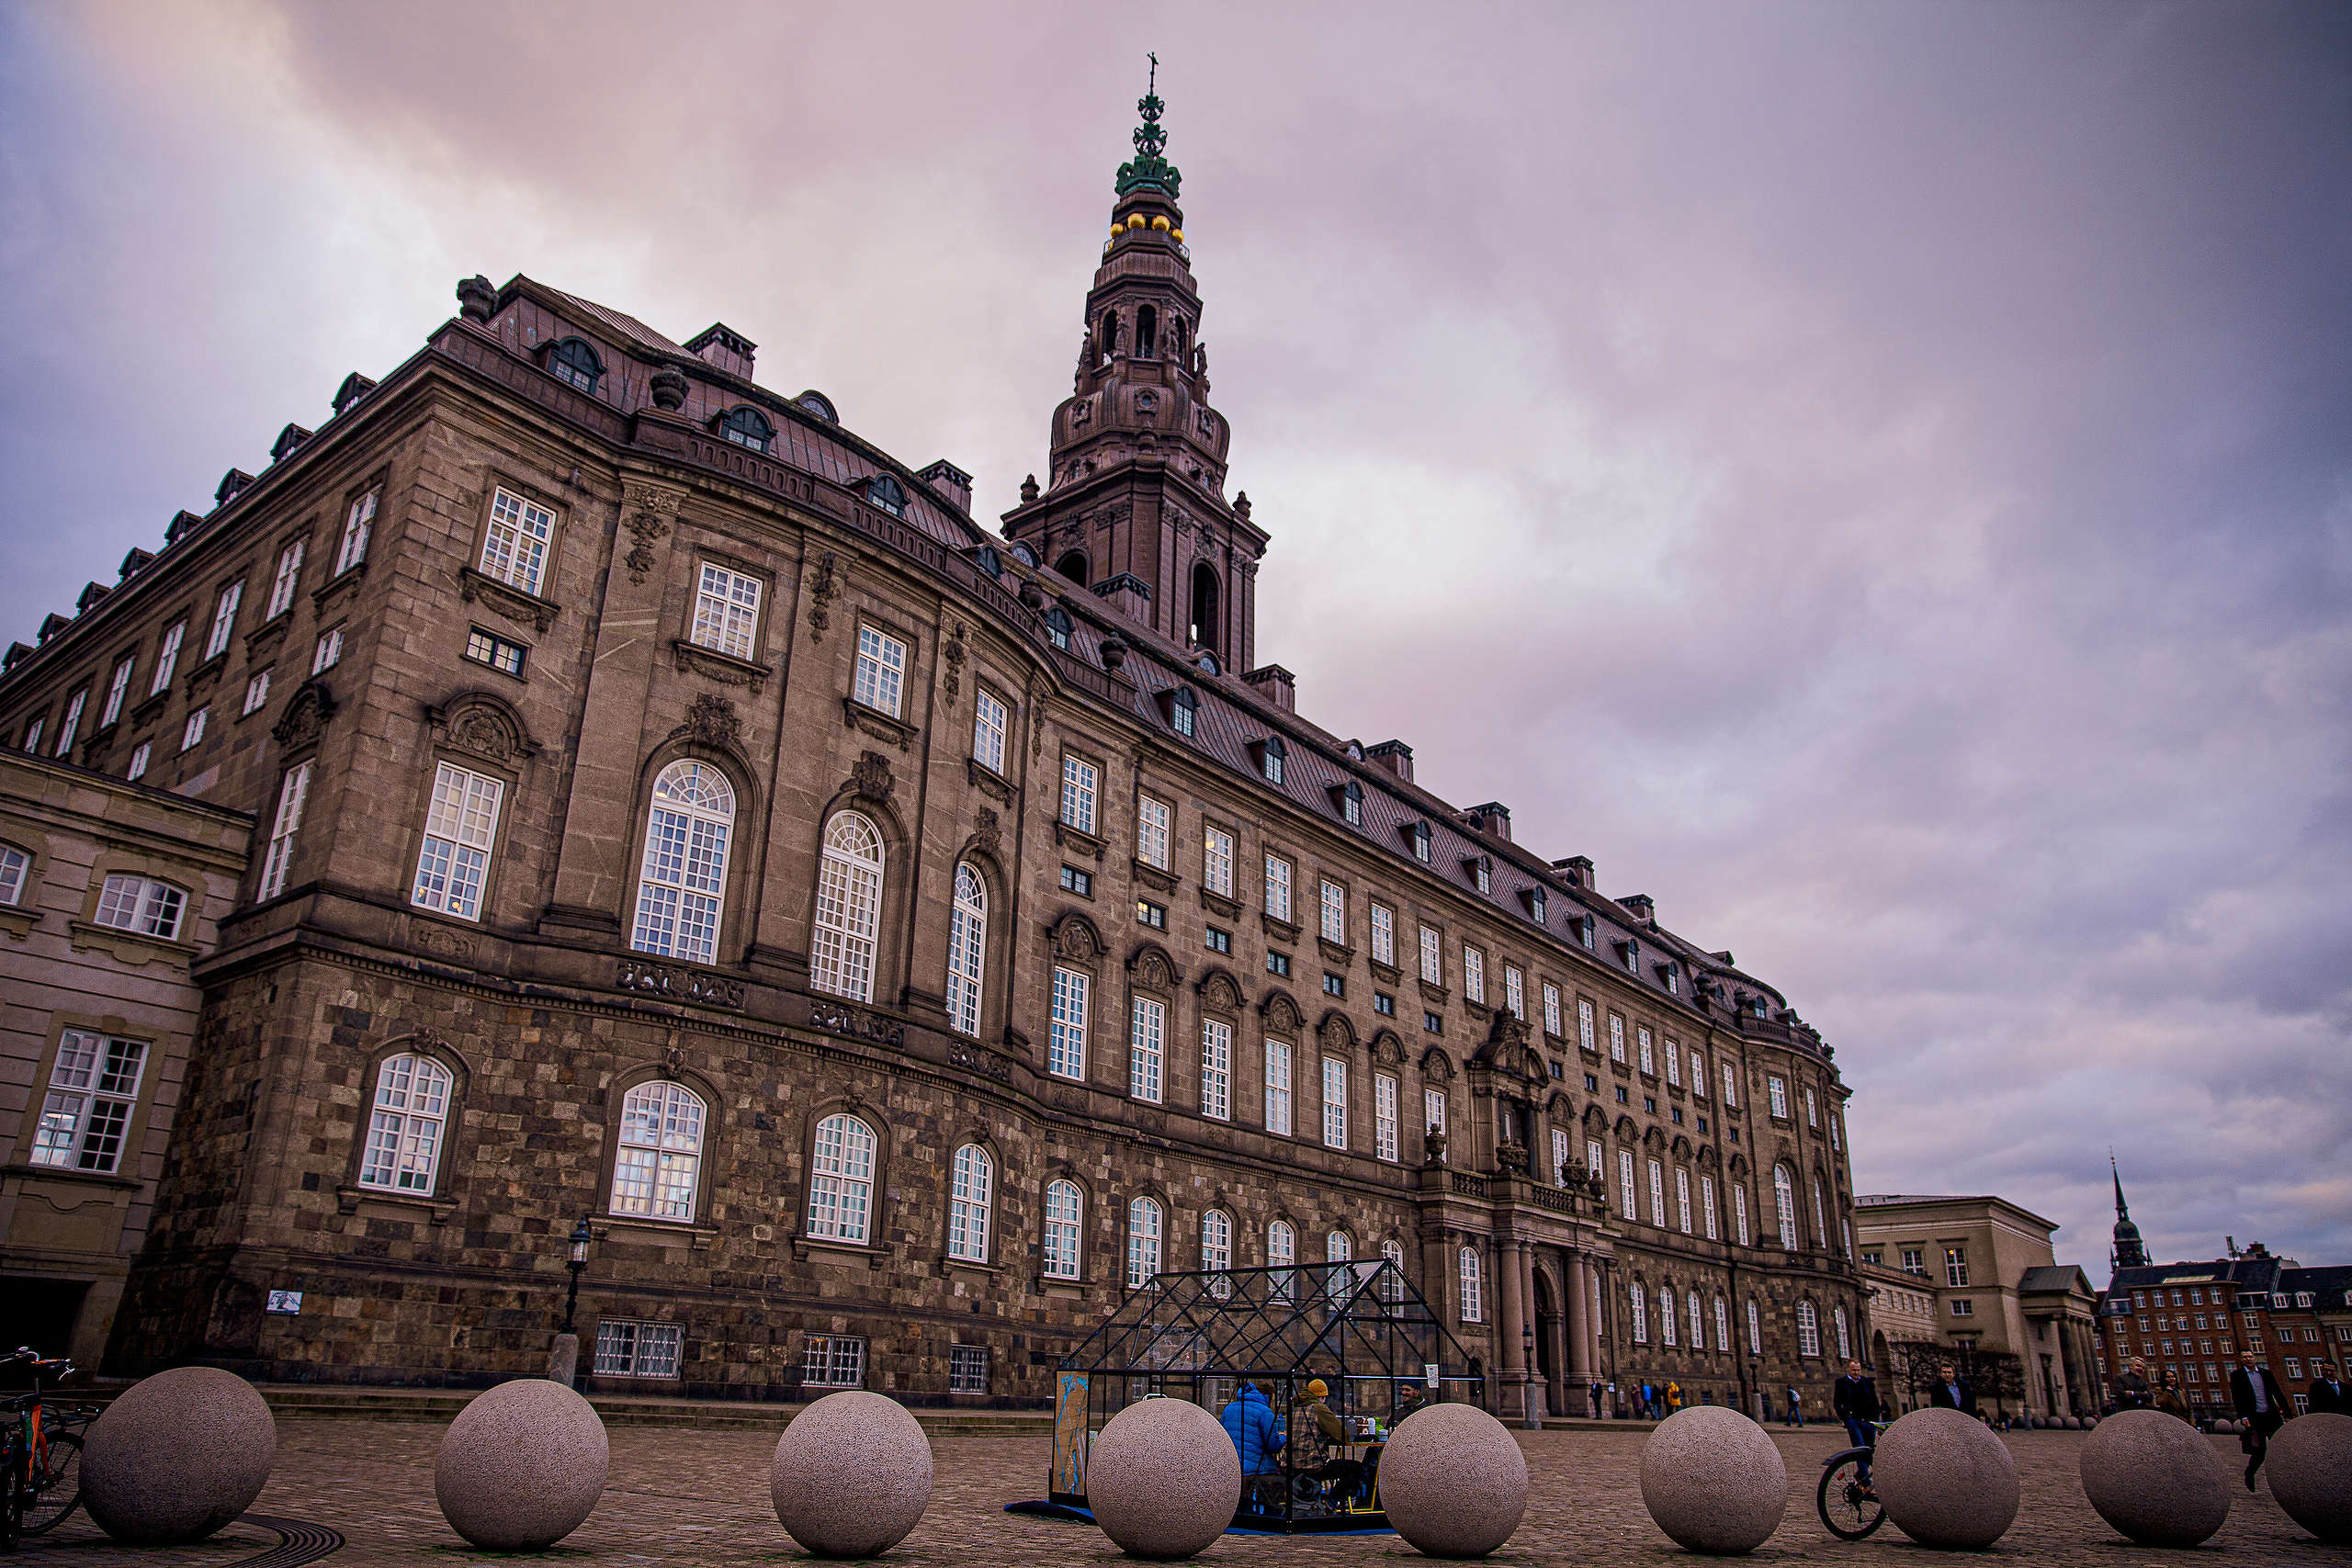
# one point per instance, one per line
(1854, 1398)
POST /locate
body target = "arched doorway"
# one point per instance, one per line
(1545, 1311)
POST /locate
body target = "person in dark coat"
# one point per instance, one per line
(2329, 1394)
(2131, 1390)
(2169, 1401)
(1952, 1391)
(1796, 1407)
(2263, 1406)
(1854, 1399)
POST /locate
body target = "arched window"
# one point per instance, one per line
(1147, 334)
(1392, 1286)
(968, 1209)
(1755, 1329)
(1183, 711)
(1216, 1239)
(1669, 1330)
(748, 427)
(849, 909)
(1820, 1220)
(1844, 1338)
(1474, 1293)
(1073, 565)
(681, 884)
(1698, 1322)
(1808, 1330)
(1143, 1242)
(1057, 628)
(1722, 1325)
(1784, 1203)
(1063, 1206)
(841, 1183)
(661, 1151)
(1336, 1248)
(404, 1131)
(574, 362)
(888, 494)
(967, 939)
(1204, 625)
(1641, 1304)
(1282, 1252)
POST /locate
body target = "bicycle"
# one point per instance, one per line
(1849, 1509)
(41, 1474)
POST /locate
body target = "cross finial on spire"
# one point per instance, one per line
(1149, 168)
(1151, 85)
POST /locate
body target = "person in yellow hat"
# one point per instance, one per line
(1323, 1440)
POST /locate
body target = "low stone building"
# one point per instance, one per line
(109, 892)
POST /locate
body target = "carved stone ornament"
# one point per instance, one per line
(673, 1058)
(648, 513)
(305, 716)
(483, 729)
(668, 385)
(822, 592)
(1433, 1147)
(952, 658)
(430, 1038)
(710, 721)
(476, 298)
(871, 776)
(987, 836)
(1510, 1158)
(1073, 937)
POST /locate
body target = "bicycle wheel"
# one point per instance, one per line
(57, 1490)
(1849, 1510)
(12, 1502)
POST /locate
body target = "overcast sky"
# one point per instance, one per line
(1875, 476)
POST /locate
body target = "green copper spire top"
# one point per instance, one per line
(1149, 169)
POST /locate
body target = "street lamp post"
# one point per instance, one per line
(563, 1358)
(578, 1264)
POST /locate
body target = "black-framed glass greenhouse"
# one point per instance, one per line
(1309, 1367)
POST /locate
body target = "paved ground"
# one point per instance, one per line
(698, 1497)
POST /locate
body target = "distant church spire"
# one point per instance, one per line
(2129, 1251)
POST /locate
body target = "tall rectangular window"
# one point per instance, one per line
(1079, 780)
(168, 656)
(1515, 992)
(1278, 887)
(990, 722)
(1657, 1194)
(1384, 934)
(1065, 1044)
(288, 578)
(1473, 1301)
(93, 1089)
(1674, 1064)
(1779, 1088)
(1649, 1053)
(256, 692)
(1278, 1087)
(1731, 1085)
(1433, 1109)
(1473, 975)
(1628, 1202)
(1811, 1116)
(515, 545)
(1682, 1199)
(459, 831)
(1698, 1075)
(1616, 1038)
(71, 724)
(727, 612)
(1335, 1103)
(1216, 861)
(1153, 820)
(1594, 1164)
(193, 731)
(1216, 1069)
(357, 524)
(1552, 1009)
(1383, 1116)
(1146, 1043)
(881, 671)
(1433, 957)
(1584, 1025)
(292, 794)
(1955, 1258)
(1559, 1157)
(117, 689)
(1739, 1213)
(1335, 913)
(138, 769)
(224, 619)
(1707, 1206)
(329, 653)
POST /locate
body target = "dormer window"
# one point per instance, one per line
(1270, 758)
(1482, 873)
(989, 562)
(1183, 711)
(1584, 925)
(748, 427)
(1350, 796)
(1537, 904)
(1673, 978)
(1417, 834)
(1024, 555)
(575, 364)
(1633, 952)
(816, 402)
(1057, 628)
(887, 494)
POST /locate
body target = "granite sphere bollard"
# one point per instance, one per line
(1714, 1481)
(1946, 1480)
(1163, 1480)
(2154, 1477)
(176, 1455)
(522, 1466)
(852, 1474)
(2310, 1467)
(1452, 1482)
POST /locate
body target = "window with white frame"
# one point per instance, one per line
(1784, 1206)
(631, 1348)
(727, 612)
(1335, 913)
(1845, 1339)
(71, 724)
(1638, 1300)
(1628, 1200)
(968, 939)
(1147, 1046)
(138, 758)
(1552, 1009)
(1078, 792)
(1834, 1144)
(833, 1361)
(288, 578)
(1616, 1038)
(1755, 1329)
(681, 881)
(1698, 1321)
(1282, 1252)
(881, 671)
(329, 653)
(1820, 1220)
(1584, 1026)
(1063, 1206)
(1383, 1116)
(1392, 1287)
(193, 731)
(1433, 956)
(1474, 1294)
(293, 792)
(257, 693)
(1278, 1087)
(1066, 1035)
(1559, 1157)
(991, 721)
(1778, 1090)
(117, 688)
(1384, 934)
(515, 545)
(1731, 1085)
(841, 1182)
(1808, 1330)
(1143, 1242)
(142, 905)
(1723, 1324)
(660, 1159)
(461, 828)
(1216, 1069)
(1474, 974)
(1698, 1075)
(14, 863)
(1649, 1053)
(1433, 1111)
(224, 619)
(404, 1126)
(1707, 1206)
(1216, 1239)
(1153, 820)
(972, 1200)
(1673, 1064)
(93, 1089)
(167, 657)
(358, 523)
(1657, 1194)
(1594, 1159)
(849, 907)
(1514, 992)
(1669, 1332)
(1216, 860)
(1812, 1113)
(1682, 1199)
(1956, 1267)
(1278, 887)
(1335, 1103)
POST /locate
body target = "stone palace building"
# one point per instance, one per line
(897, 940)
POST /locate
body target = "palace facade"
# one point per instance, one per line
(897, 940)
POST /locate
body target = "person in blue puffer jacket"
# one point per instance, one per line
(1257, 1437)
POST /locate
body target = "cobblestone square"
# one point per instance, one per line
(698, 1496)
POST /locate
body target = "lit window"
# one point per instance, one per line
(514, 546)
(329, 653)
(482, 648)
(1384, 934)
(682, 882)
(257, 693)
(849, 909)
(968, 936)
(991, 721)
(167, 657)
(117, 689)
(1335, 912)
(194, 730)
(138, 904)
(404, 1128)
(1062, 1206)
(840, 1186)
(1433, 957)
(1079, 785)
(628, 1347)
(93, 1089)
(293, 792)
(1151, 914)
(1065, 1044)
(727, 613)
(969, 1201)
(1335, 1103)
(459, 831)
(224, 620)
(1473, 1301)
(289, 578)
(1216, 1069)
(358, 523)
(748, 427)
(138, 769)
(881, 670)
(1146, 1037)
(1216, 861)
(661, 1151)
(575, 364)
(833, 1361)
(1278, 887)
(1278, 1087)
(1153, 819)
(1383, 1116)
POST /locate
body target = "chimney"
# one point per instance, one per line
(723, 348)
(1277, 685)
(1492, 818)
(1393, 755)
(1579, 869)
(1642, 906)
(954, 485)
